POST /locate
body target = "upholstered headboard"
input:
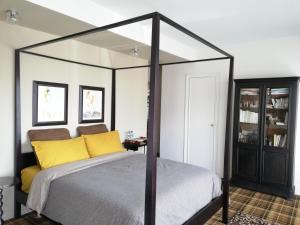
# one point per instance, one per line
(49, 134)
(93, 129)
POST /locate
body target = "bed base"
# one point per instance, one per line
(199, 218)
(203, 215)
(206, 213)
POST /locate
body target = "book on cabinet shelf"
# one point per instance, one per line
(279, 140)
(249, 91)
(279, 91)
(278, 103)
(248, 117)
(286, 118)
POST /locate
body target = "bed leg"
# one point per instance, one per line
(225, 210)
(225, 215)
(225, 202)
(17, 212)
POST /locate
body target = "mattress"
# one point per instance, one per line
(110, 190)
(27, 175)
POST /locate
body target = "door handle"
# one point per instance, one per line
(212, 125)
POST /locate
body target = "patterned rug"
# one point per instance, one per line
(245, 219)
(246, 208)
(258, 206)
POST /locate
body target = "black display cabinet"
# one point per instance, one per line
(264, 134)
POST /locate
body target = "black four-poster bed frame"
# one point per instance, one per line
(23, 160)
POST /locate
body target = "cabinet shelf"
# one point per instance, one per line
(284, 127)
(275, 148)
(279, 96)
(251, 109)
(248, 145)
(245, 123)
(284, 109)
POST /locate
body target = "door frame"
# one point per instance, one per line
(188, 78)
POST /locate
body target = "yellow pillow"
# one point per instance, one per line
(27, 175)
(53, 153)
(104, 143)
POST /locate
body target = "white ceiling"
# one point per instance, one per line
(59, 24)
(221, 21)
(43, 19)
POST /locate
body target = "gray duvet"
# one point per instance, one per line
(110, 190)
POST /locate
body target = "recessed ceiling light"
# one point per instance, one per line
(12, 16)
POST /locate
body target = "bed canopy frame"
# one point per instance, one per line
(153, 133)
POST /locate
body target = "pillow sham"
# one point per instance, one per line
(104, 143)
(54, 153)
(27, 175)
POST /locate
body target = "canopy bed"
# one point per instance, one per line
(23, 160)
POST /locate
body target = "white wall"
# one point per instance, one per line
(173, 107)
(131, 101)
(59, 72)
(35, 68)
(266, 58)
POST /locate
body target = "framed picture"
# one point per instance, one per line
(49, 103)
(91, 104)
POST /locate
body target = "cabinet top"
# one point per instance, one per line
(267, 79)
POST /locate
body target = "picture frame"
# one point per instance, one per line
(49, 103)
(91, 104)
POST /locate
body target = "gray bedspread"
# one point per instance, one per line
(111, 191)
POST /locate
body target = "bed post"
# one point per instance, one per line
(113, 101)
(17, 205)
(153, 133)
(227, 143)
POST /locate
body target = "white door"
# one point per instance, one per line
(200, 121)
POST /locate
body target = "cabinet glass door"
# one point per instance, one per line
(249, 115)
(277, 113)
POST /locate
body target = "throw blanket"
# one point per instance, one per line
(110, 190)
